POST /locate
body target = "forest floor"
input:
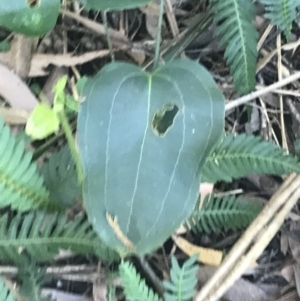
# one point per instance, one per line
(78, 46)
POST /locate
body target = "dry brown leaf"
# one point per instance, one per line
(242, 290)
(150, 9)
(294, 240)
(42, 61)
(288, 274)
(296, 268)
(267, 56)
(291, 296)
(99, 290)
(15, 91)
(20, 54)
(117, 37)
(151, 25)
(206, 255)
(284, 243)
(13, 116)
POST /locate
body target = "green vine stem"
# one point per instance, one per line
(158, 34)
(71, 141)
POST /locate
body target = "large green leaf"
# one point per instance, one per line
(142, 163)
(113, 4)
(29, 17)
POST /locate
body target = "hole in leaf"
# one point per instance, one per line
(164, 119)
(33, 3)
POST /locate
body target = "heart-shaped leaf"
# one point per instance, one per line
(143, 138)
(29, 17)
(113, 4)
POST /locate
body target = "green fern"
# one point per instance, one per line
(42, 236)
(61, 178)
(235, 157)
(32, 278)
(21, 186)
(183, 280)
(282, 13)
(5, 295)
(228, 213)
(238, 34)
(135, 288)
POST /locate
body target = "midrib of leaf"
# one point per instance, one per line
(243, 41)
(34, 196)
(247, 156)
(35, 287)
(141, 153)
(180, 286)
(226, 212)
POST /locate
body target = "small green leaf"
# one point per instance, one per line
(60, 96)
(59, 87)
(183, 280)
(143, 138)
(29, 17)
(113, 4)
(42, 122)
(80, 84)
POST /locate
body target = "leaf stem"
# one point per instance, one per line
(111, 50)
(71, 141)
(150, 273)
(158, 34)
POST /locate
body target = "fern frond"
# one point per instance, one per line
(282, 13)
(61, 178)
(135, 288)
(234, 19)
(228, 213)
(32, 278)
(21, 185)
(42, 236)
(5, 295)
(235, 157)
(183, 280)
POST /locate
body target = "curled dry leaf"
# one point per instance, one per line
(15, 91)
(207, 256)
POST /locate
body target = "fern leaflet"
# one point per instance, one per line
(235, 157)
(183, 280)
(21, 186)
(61, 178)
(42, 236)
(5, 295)
(234, 20)
(228, 213)
(135, 288)
(282, 13)
(32, 277)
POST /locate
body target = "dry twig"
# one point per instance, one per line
(236, 262)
